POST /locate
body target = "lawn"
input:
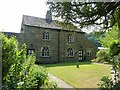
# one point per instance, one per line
(87, 76)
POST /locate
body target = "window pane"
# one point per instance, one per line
(45, 51)
(70, 52)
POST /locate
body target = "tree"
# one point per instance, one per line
(102, 56)
(96, 34)
(104, 14)
(109, 36)
(88, 13)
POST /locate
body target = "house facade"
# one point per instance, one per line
(52, 44)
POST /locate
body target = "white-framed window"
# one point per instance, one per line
(80, 58)
(45, 52)
(30, 51)
(89, 52)
(46, 36)
(80, 53)
(70, 52)
(70, 38)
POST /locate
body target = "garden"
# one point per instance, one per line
(88, 74)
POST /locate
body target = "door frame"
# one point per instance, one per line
(80, 55)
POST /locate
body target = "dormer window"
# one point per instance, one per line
(46, 36)
(70, 38)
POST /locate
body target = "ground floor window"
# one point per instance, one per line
(70, 52)
(45, 52)
(80, 58)
(30, 51)
(89, 52)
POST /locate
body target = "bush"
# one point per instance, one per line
(38, 78)
(106, 83)
(102, 56)
(50, 84)
(19, 70)
(12, 60)
(115, 48)
(35, 77)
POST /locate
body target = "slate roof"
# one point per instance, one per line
(39, 22)
(93, 40)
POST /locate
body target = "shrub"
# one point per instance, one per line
(106, 83)
(19, 70)
(38, 78)
(115, 48)
(35, 77)
(102, 56)
(12, 60)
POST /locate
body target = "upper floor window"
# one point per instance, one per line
(45, 52)
(46, 36)
(70, 52)
(70, 38)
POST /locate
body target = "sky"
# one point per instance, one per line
(11, 12)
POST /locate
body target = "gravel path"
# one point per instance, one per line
(60, 83)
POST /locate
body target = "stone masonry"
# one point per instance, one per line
(32, 30)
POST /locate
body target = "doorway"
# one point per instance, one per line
(80, 55)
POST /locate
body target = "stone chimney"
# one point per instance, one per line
(49, 16)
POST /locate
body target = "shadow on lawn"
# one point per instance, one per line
(66, 64)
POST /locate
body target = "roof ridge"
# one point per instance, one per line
(32, 16)
(41, 22)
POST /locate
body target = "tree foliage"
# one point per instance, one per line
(96, 34)
(10, 53)
(115, 48)
(104, 14)
(106, 83)
(109, 36)
(18, 69)
(87, 13)
(102, 56)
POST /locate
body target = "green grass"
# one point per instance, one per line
(87, 76)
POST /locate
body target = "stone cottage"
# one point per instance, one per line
(51, 43)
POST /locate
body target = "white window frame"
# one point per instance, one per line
(46, 35)
(30, 51)
(89, 52)
(70, 52)
(70, 38)
(80, 53)
(45, 52)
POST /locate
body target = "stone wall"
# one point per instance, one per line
(80, 43)
(58, 44)
(34, 40)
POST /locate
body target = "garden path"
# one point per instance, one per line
(60, 83)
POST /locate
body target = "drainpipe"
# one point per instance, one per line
(58, 45)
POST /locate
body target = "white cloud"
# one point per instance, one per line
(12, 11)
